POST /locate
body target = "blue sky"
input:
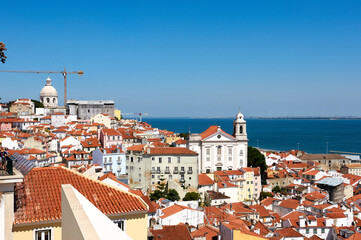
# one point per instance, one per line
(190, 58)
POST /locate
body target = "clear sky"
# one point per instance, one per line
(190, 58)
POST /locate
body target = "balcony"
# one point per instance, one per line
(189, 172)
(182, 181)
(182, 172)
(175, 172)
(167, 172)
(158, 172)
(152, 171)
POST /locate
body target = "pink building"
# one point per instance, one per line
(110, 137)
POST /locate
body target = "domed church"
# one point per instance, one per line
(49, 95)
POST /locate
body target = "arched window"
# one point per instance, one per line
(48, 100)
(54, 100)
(240, 129)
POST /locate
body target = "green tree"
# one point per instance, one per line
(256, 159)
(184, 135)
(172, 195)
(2, 54)
(162, 185)
(156, 195)
(265, 195)
(191, 196)
(276, 189)
(37, 104)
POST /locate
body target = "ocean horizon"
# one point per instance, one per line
(313, 135)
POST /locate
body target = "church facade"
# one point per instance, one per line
(219, 150)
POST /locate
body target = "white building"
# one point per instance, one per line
(176, 214)
(219, 150)
(111, 160)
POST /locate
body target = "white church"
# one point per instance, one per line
(219, 150)
(49, 95)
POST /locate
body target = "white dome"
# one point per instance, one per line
(48, 90)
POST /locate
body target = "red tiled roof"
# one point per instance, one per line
(171, 151)
(289, 203)
(203, 179)
(136, 148)
(38, 197)
(174, 209)
(172, 232)
(206, 231)
(261, 210)
(289, 232)
(212, 130)
(180, 141)
(111, 132)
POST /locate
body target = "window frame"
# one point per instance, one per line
(44, 229)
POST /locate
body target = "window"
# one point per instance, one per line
(315, 231)
(208, 159)
(176, 169)
(307, 231)
(131, 159)
(158, 169)
(43, 234)
(169, 160)
(105, 160)
(178, 159)
(160, 160)
(322, 230)
(121, 224)
(167, 169)
(208, 170)
(182, 169)
(241, 153)
(208, 151)
(153, 158)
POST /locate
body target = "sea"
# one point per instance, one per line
(310, 135)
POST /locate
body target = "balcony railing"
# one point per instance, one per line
(182, 172)
(175, 172)
(189, 172)
(167, 172)
(182, 181)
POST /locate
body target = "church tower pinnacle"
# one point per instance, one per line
(239, 127)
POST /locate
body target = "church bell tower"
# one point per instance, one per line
(239, 127)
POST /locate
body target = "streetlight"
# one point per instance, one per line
(298, 146)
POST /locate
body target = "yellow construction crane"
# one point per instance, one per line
(64, 73)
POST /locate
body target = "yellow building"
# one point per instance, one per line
(246, 193)
(353, 168)
(118, 113)
(38, 209)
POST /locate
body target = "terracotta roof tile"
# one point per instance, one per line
(38, 197)
(173, 232)
(203, 179)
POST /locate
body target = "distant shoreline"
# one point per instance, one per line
(265, 118)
